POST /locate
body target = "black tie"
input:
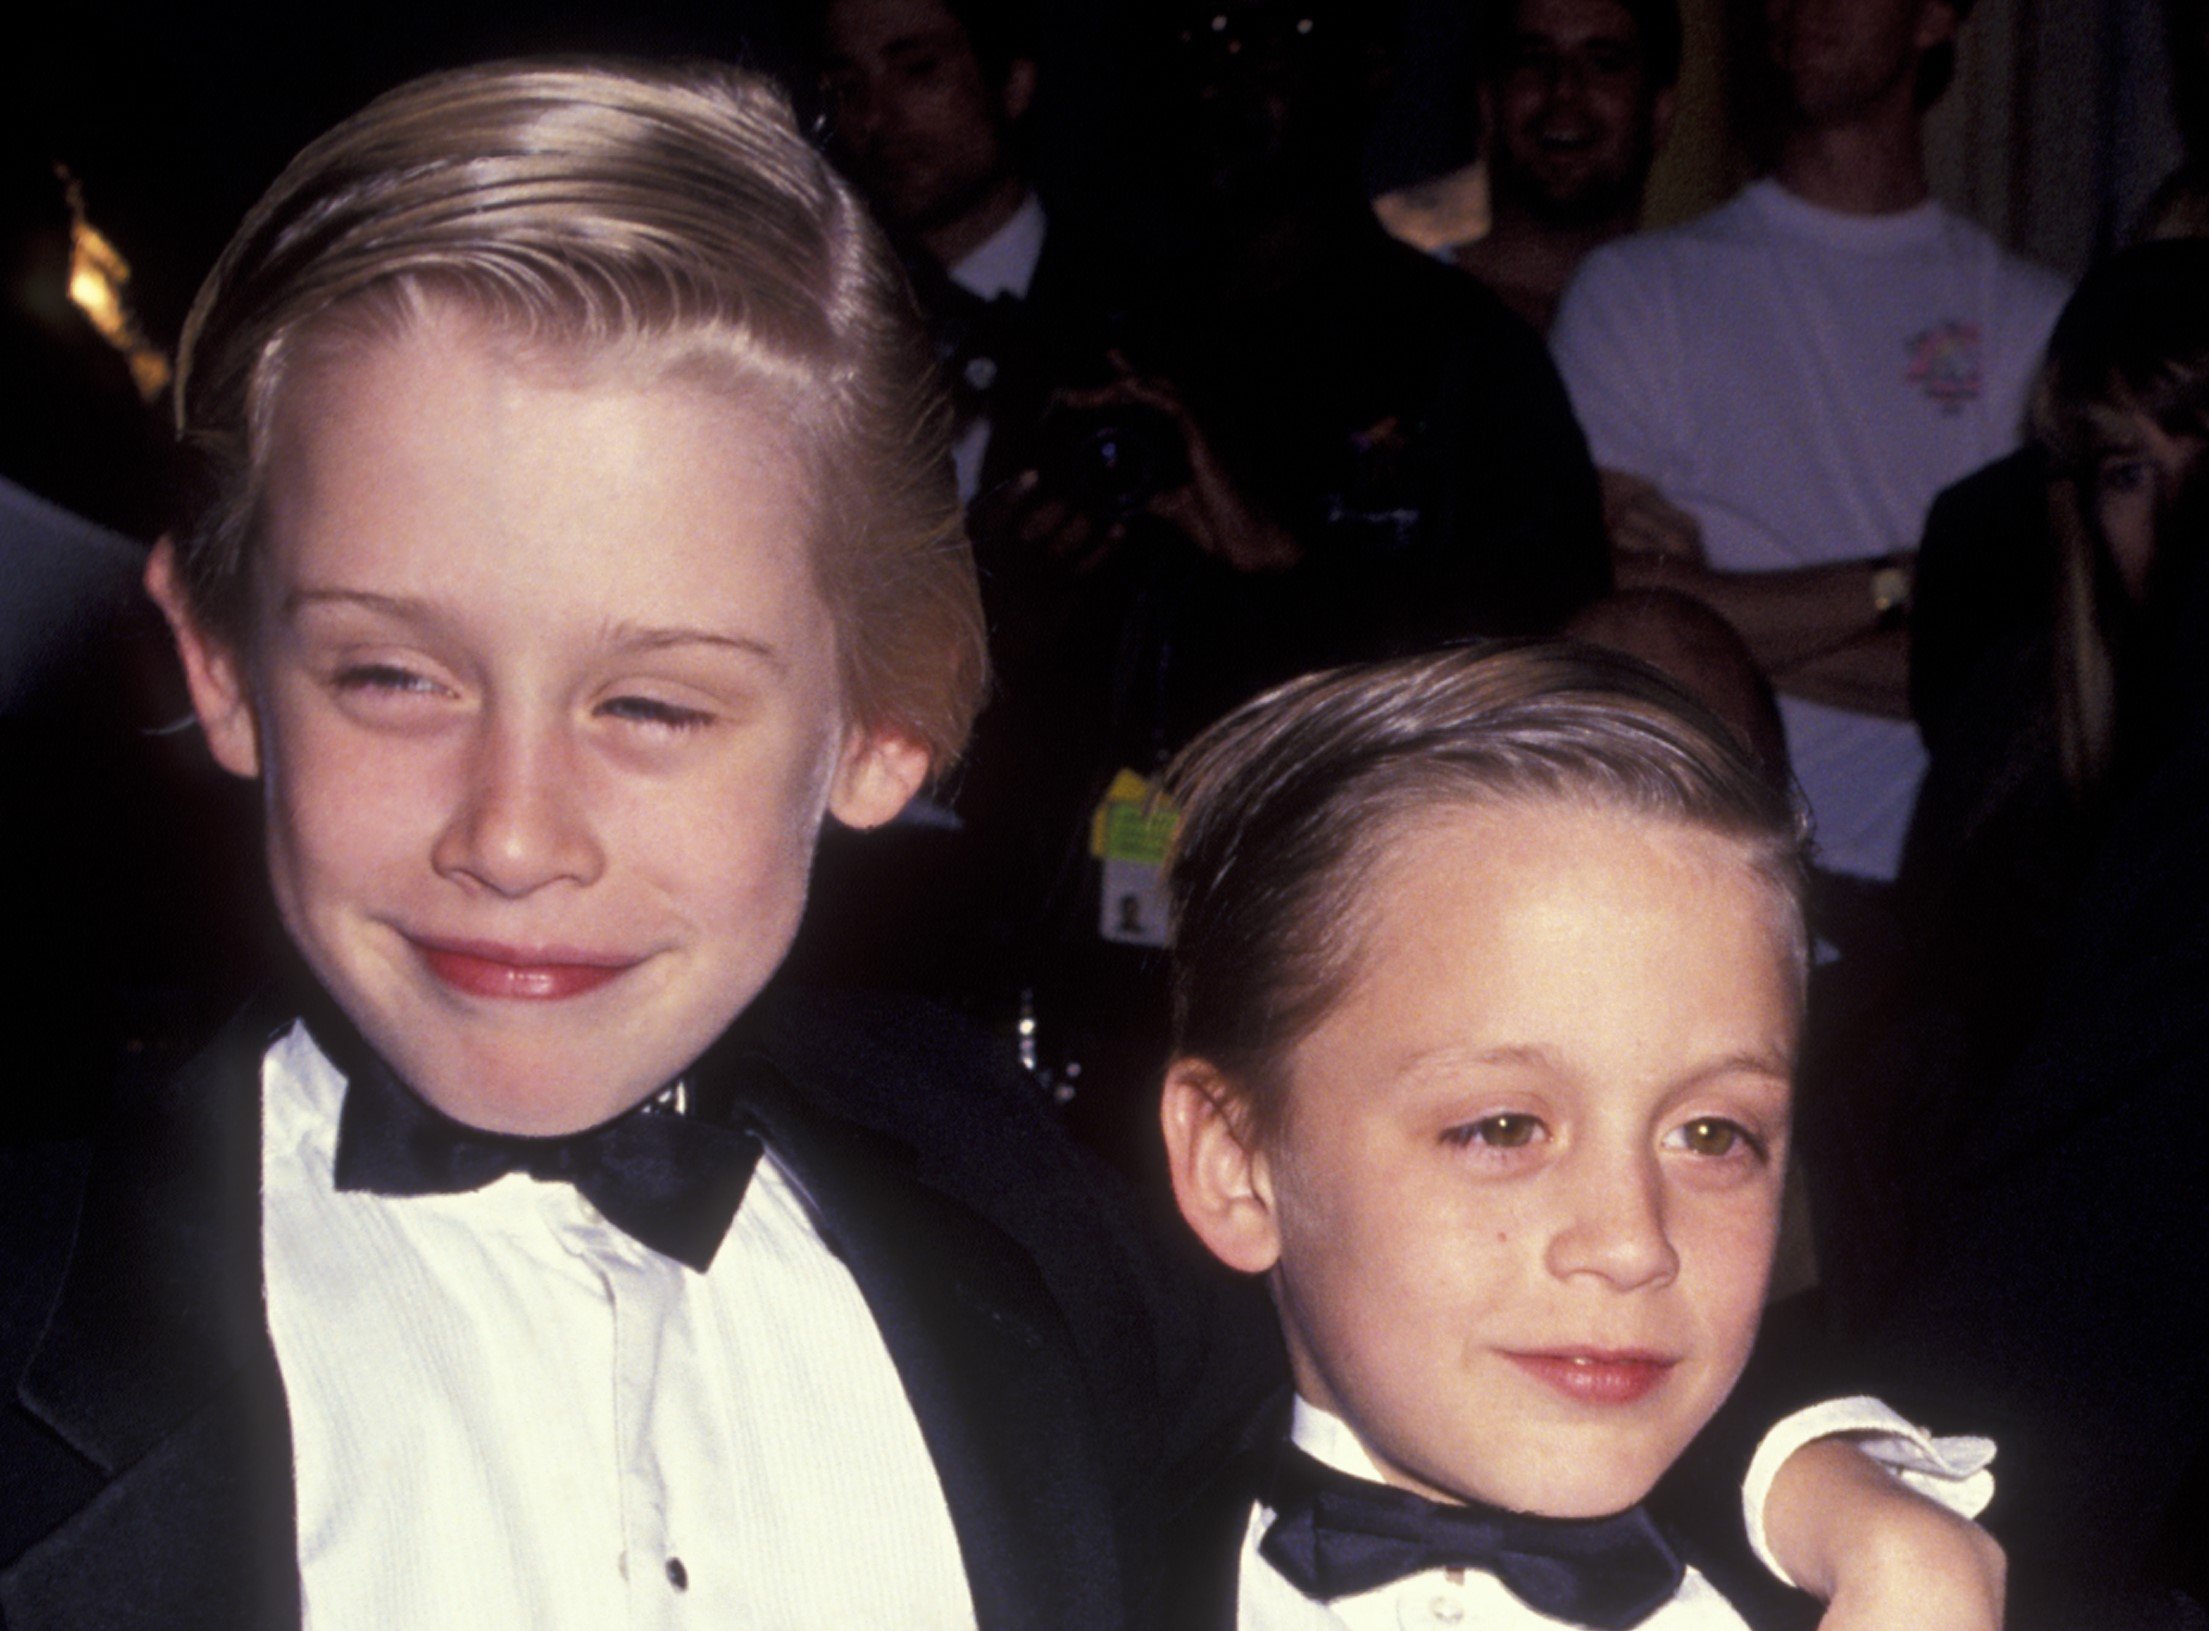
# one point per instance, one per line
(1334, 1536)
(669, 1180)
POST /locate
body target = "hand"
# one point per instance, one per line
(1881, 1556)
(1642, 522)
(1209, 509)
(1020, 524)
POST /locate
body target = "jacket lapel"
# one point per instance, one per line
(156, 1368)
(1204, 1563)
(986, 1360)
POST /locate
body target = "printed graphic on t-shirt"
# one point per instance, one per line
(1944, 364)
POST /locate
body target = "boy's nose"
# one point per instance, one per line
(1614, 1226)
(520, 822)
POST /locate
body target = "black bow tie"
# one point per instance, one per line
(670, 1180)
(1334, 1536)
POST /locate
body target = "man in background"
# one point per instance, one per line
(1576, 98)
(925, 100)
(1776, 391)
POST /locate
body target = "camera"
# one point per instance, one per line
(1110, 461)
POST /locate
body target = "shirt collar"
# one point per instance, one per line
(1005, 261)
(1326, 1437)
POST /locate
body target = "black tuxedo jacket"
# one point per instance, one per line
(1067, 1377)
(2059, 1296)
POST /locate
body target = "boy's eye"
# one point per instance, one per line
(383, 677)
(653, 711)
(1509, 1131)
(1714, 1136)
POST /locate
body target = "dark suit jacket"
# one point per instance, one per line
(2061, 1295)
(1064, 1379)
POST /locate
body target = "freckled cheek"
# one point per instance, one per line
(340, 811)
(739, 851)
(1449, 1262)
(1727, 1256)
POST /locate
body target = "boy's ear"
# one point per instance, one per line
(877, 775)
(1221, 1179)
(213, 669)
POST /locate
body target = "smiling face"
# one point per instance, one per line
(1520, 1210)
(544, 700)
(1576, 114)
(924, 132)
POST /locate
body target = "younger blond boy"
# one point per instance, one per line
(1488, 974)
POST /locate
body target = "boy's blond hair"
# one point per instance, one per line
(1288, 802)
(674, 217)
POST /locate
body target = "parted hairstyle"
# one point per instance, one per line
(672, 218)
(1289, 803)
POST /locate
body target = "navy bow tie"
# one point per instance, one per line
(1334, 1536)
(669, 1180)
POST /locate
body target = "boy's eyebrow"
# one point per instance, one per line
(1749, 1061)
(633, 637)
(629, 636)
(1752, 1063)
(1453, 1056)
(400, 606)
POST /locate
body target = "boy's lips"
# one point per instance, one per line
(529, 974)
(1597, 1375)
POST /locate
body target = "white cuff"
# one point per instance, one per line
(1950, 1471)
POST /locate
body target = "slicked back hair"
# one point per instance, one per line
(663, 218)
(1289, 804)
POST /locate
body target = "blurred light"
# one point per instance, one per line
(99, 286)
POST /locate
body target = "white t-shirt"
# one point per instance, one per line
(1804, 382)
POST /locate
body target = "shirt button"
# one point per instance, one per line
(1446, 1610)
(677, 1575)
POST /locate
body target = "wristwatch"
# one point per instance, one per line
(1893, 580)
